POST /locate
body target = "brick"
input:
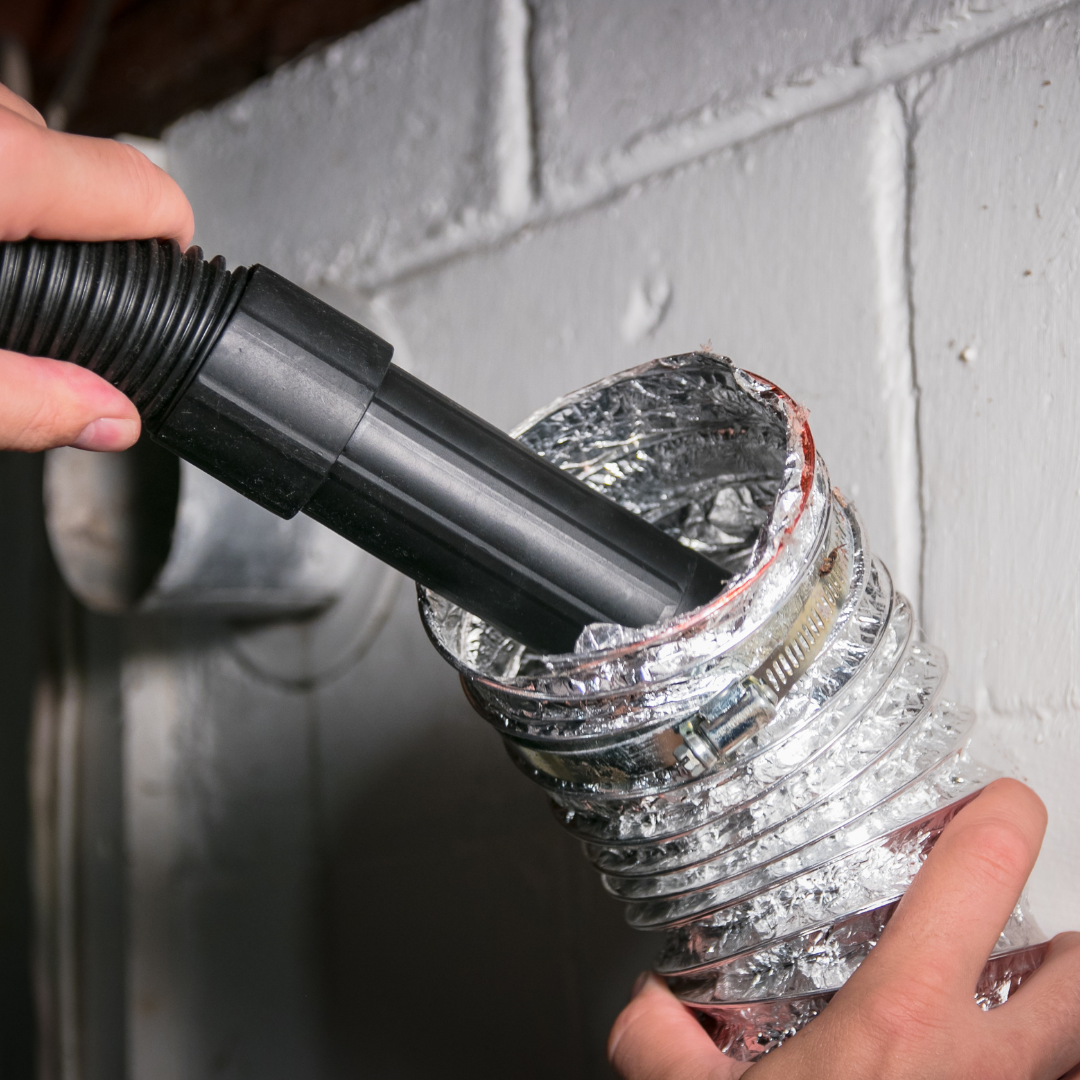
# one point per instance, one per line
(379, 143)
(611, 76)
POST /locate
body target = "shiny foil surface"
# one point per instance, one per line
(759, 780)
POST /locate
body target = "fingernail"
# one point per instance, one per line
(107, 433)
(639, 984)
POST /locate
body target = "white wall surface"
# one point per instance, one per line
(846, 198)
(996, 271)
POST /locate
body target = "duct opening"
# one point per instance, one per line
(715, 458)
(703, 460)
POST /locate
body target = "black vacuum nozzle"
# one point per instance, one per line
(297, 407)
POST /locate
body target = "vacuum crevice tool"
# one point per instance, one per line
(299, 408)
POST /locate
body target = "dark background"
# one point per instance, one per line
(144, 63)
(116, 66)
(24, 578)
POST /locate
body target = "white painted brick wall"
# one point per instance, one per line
(539, 194)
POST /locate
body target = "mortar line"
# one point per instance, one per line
(515, 163)
(889, 187)
(911, 130)
(532, 91)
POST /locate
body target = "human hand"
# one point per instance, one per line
(909, 1011)
(68, 187)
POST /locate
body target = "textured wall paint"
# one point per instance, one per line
(538, 194)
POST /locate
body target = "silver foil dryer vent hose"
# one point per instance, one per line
(759, 779)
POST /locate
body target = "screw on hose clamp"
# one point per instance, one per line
(744, 708)
(696, 753)
(729, 719)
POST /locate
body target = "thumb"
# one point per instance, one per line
(656, 1037)
(45, 403)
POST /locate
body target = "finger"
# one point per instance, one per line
(656, 1037)
(1043, 1016)
(10, 100)
(70, 187)
(951, 916)
(45, 403)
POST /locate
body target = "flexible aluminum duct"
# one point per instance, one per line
(760, 779)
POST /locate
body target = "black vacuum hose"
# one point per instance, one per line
(140, 314)
(296, 406)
